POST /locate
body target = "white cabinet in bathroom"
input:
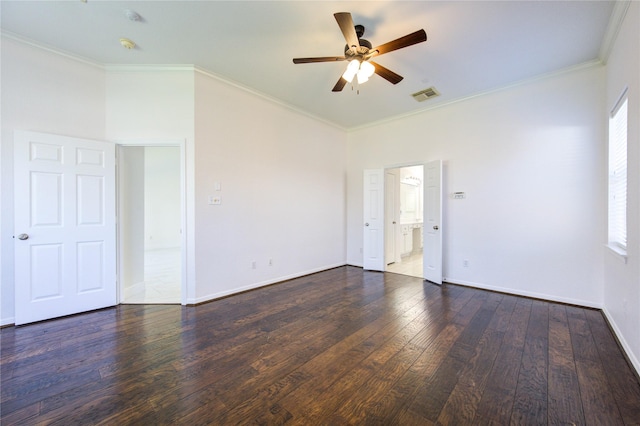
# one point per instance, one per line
(407, 240)
(411, 238)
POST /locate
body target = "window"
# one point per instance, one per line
(618, 176)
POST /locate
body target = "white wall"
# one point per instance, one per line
(162, 210)
(622, 281)
(42, 92)
(530, 160)
(149, 103)
(282, 189)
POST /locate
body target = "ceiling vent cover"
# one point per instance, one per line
(425, 94)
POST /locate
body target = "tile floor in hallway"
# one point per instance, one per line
(410, 265)
(162, 279)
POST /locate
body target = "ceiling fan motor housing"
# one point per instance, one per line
(364, 48)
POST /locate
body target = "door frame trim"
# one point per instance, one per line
(184, 235)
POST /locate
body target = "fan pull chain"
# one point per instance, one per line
(356, 89)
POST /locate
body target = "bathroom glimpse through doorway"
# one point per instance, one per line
(404, 206)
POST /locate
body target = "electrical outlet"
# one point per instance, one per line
(270, 262)
(465, 263)
(253, 264)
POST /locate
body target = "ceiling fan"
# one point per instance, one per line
(359, 52)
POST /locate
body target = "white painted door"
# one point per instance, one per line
(64, 226)
(373, 244)
(432, 227)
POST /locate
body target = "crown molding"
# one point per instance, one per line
(50, 49)
(148, 68)
(616, 19)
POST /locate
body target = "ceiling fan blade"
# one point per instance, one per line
(339, 85)
(386, 73)
(320, 59)
(408, 40)
(345, 22)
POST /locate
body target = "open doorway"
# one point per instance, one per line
(425, 230)
(404, 207)
(150, 209)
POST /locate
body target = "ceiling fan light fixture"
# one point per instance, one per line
(367, 69)
(352, 70)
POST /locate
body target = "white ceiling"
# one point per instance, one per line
(472, 47)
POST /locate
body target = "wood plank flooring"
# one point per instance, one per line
(344, 346)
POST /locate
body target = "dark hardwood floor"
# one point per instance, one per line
(342, 346)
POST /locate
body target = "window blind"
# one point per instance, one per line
(618, 175)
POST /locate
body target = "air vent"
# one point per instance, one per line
(425, 94)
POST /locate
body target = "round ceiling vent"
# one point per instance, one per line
(132, 15)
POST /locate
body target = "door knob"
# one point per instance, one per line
(366, 224)
(435, 227)
(23, 237)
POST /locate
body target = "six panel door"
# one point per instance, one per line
(64, 226)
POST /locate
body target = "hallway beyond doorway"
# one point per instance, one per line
(161, 283)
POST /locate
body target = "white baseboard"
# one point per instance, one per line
(516, 292)
(7, 321)
(209, 297)
(625, 346)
